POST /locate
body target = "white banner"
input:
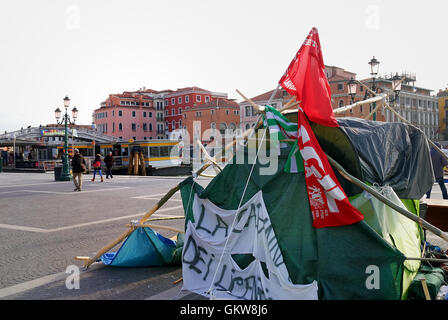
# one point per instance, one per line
(207, 258)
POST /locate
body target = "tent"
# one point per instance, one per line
(335, 261)
(225, 254)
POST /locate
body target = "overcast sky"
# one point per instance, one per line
(88, 49)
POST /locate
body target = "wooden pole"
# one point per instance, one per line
(108, 247)
(372, 113)
(425, 289)
(142, 164)
(131, 163)
(357, 103)
(162, 201)
(389, 203)
(154, 226)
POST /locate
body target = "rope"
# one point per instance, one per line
(210, 292)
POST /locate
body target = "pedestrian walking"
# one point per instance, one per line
(109, 161)
(97, 167)
(438, 163)
(78, 168)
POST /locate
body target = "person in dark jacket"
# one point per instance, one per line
(438, 162)
(78, 168)
(109, 161)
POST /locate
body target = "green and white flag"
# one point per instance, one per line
(280, 128)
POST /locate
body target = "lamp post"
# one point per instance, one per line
(65, 175)
(374, 66)
(351, 85)
(396, 86)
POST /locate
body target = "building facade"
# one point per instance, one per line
(442, 97)
(183, 99)
(413, 103)
(130, 115)
(249, 116)
(217, 117)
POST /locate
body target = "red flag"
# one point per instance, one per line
(328, 202)
(305, 78)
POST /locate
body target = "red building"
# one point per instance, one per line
(183, 99)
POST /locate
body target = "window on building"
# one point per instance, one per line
(166, 102)
(133, 114)
(212, 112)
(150, 127)
(207, 99)
(179, 100)
(247, 111)
(134, 127)
(173, 125)
(173, 101)
(340, 86)
(341, 103)
(222, 128)
(120, 127)
(227, 112)
(144, 114)
(185, 116)
(150, 114)
(198, 98)
(180, 111)
(173, 112)
(144, 127)
(120, 113)
(187, 99)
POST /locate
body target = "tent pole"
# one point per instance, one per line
(162, 201)
(383, 199)
(428, 259)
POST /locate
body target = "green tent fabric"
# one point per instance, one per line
(341, 259)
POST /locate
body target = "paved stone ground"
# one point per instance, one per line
(44, 225)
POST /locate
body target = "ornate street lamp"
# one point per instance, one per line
(396, 85)
(65, 175)
(374, 67)
(351, 85)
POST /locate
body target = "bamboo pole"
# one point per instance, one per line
(351, 106)
(429, 259)
(161, 202)
(372, 113)
(155, 226)
(389, 203)
(425, 289)
(216, 166)
(108, 247)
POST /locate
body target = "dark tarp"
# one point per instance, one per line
(387, 154)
